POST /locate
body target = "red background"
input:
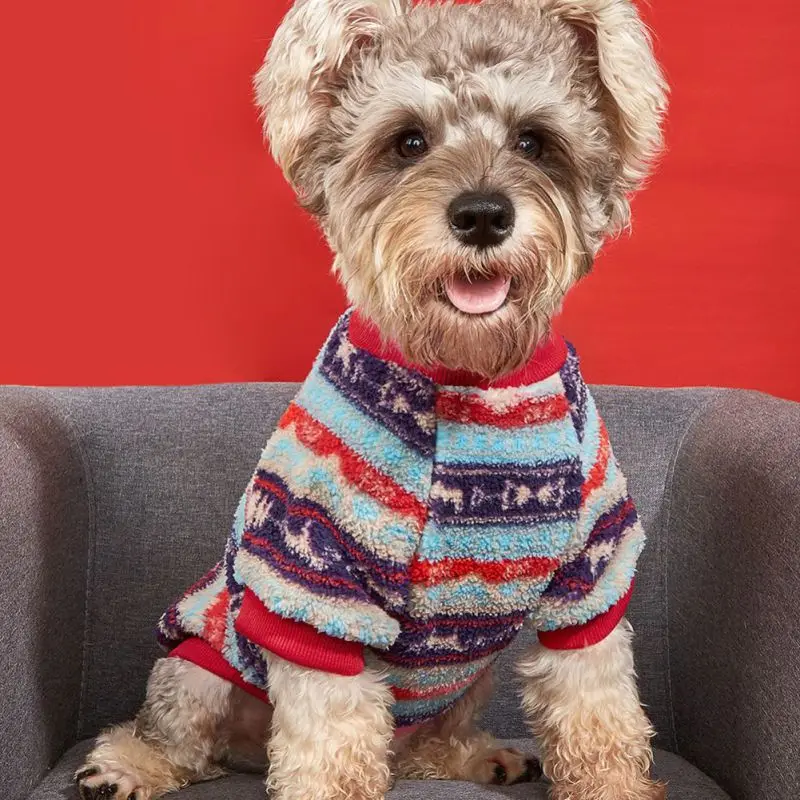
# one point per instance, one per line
(148, 238)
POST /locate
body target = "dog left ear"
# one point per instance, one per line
(633, 88)
(311, 56)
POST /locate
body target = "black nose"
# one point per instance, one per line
(481, 220)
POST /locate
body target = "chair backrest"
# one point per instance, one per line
(165, 468)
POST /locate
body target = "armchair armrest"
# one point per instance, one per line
(734, 594)
(44, 530)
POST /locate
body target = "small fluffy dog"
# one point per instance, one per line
(443, 476)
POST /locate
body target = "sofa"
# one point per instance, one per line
(112, 501)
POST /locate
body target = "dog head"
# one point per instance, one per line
(465, 162)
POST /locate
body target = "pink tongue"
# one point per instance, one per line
(479, 296)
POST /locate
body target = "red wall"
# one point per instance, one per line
(147, 237)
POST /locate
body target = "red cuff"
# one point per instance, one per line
(200, 652)
(297, 642)
(594, 631)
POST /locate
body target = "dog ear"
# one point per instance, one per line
(633, 88)
(313, 51)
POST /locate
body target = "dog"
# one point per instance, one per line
(466, 163)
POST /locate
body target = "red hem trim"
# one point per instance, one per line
(297, 642)
(593, 632)
(200, 652)
(547, 359)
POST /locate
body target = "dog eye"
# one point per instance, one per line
(530, 144)
(411, 144)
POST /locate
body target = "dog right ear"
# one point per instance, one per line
(307, 64)
(633, 91)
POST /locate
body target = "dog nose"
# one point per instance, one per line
(481, 220)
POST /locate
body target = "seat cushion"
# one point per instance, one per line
(685, 783)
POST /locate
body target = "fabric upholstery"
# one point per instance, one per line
(734, 592)
(685, 782)
(44, 519)
(646, 428)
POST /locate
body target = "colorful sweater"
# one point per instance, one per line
(413, 521)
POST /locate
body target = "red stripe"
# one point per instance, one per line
(597, 474)
(428, 572)
(216, 618)
(357, 470)
(467, 409)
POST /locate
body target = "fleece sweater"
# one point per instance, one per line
(413, 521)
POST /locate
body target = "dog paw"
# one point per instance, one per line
(98, 783)
(509, 766)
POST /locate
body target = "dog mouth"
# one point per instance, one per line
(475, 295)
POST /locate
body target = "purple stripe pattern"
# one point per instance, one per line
(575, 580)
(457, 644)
(301, 543)
(398, 399)
(575, 390)
(473, 493)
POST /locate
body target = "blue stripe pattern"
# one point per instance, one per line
(372, 442)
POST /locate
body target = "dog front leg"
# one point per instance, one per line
(330, 734)
(583, 706)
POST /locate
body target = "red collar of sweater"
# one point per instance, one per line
(547, 359)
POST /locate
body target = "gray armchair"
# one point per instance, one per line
(113, 500)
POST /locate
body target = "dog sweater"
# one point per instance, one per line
(413, 521)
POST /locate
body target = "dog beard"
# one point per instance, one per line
(401, 269)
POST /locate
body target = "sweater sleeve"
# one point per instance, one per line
(589, 592)
(311, 578)
(333, 514)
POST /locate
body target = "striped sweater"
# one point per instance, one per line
(413, 521)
